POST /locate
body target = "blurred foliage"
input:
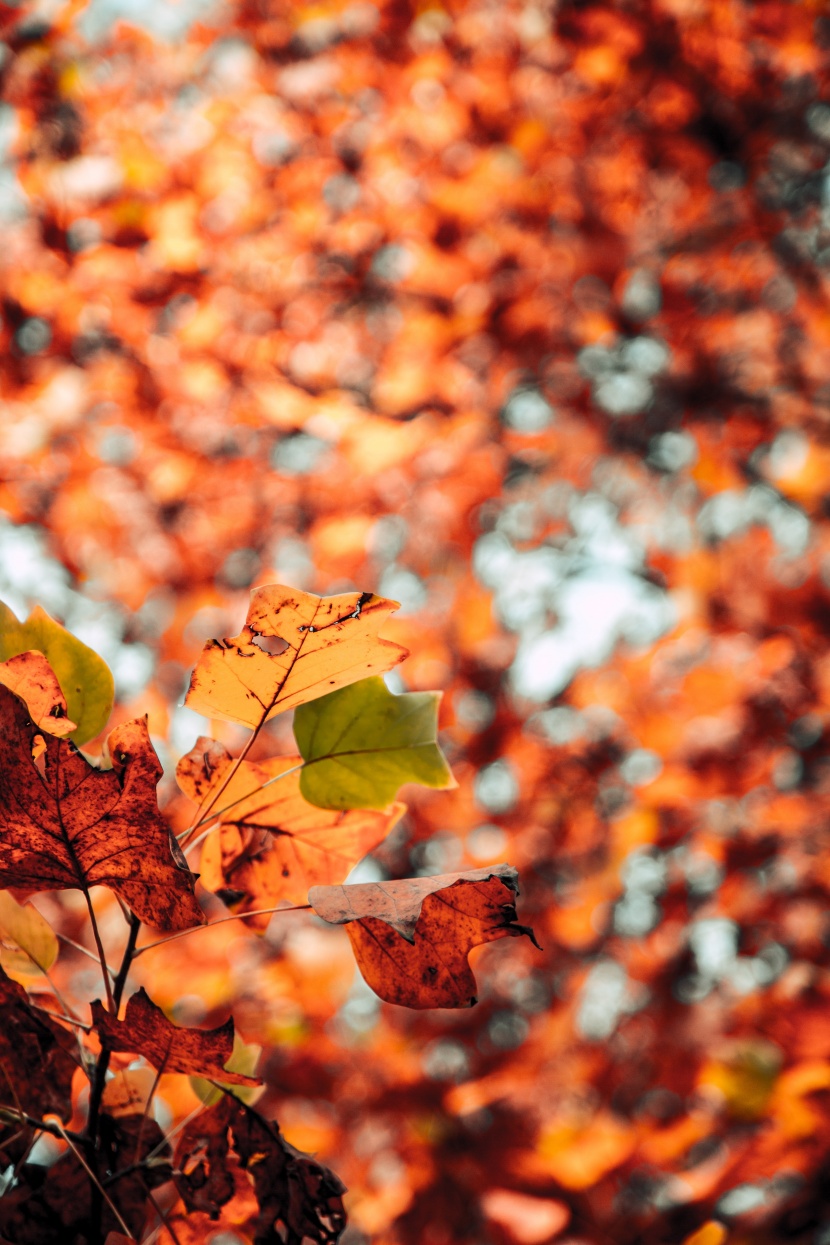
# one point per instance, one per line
(517, 313)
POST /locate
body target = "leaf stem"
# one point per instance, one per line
(83, 950)
(205, 810)
(237, 916)
(101, 956)
(100, 1076)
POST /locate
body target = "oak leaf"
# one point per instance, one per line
(326, 643)
(361, 743)
(272, 844)
(84, 677)
(411, 938)
(30, 677)
(74, 826)
(298, 1198)
(145, 1030)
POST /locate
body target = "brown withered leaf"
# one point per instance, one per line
(328, 643)
(298, 1198)
(30, 676)
(145, 1030)
(273, 845)
(65, 824)
(411, 938)
(37, 1062)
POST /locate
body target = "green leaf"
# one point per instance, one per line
(362, 742)
(84, 677)
(28, 943)
(244, 1059)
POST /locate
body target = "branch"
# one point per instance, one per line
(237, 916)
(95, 1181)
(42, 1126)
(101, 956)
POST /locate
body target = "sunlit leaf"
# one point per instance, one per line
(411, 938)
(34, 944)
(273, 845)
(361, 743)
(84, 677)
(294, 646)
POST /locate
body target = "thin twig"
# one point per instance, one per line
(68, 1020)
(79, 1156)
(100, 1076)
(84, 951)
(101, 956)
(237, 916)
(163, 1216)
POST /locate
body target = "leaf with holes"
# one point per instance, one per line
(66, 825)
(294, 647)
(411, 938)
(145, 1030)
(361, 743)
(272, 844)
(84, 677)
(298, 1199)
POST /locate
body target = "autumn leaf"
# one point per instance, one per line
(298, 1198)
(411, 938)
(294, 647)
(145, 1030)
(30, 677)
(273, 845)
(37, 1063)
(84, 677)
(28, 944)
(73, 826)
(362, 742)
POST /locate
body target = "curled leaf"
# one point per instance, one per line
(71, 825)
(362, 742)
(31, 677)
(411, 938)
(327, 642)
(273, 845)
(84, 677)
(145, 1030)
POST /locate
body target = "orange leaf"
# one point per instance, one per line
(273, 844)
(327, 642)
(30, 676)
(74, 826)
(145, 1030)
(411, 938)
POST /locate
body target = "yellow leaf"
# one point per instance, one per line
(294, 647)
